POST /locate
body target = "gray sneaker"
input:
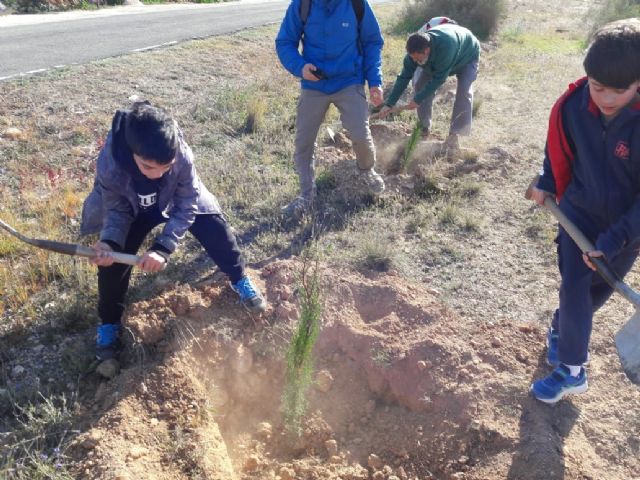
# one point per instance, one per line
(373, 180)
(297, 208)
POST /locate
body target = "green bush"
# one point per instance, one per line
(611, 10)
(479, 16)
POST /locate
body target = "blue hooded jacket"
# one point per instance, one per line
(330, 42)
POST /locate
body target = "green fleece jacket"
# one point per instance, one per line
(452, 47)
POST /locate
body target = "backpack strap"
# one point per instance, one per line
(305, 6)
(358, 7)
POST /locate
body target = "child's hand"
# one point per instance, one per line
(103, 256)
(412, 105)
(587, 255)
(152, 262)
(539, 196)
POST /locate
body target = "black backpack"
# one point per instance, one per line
(358, 8)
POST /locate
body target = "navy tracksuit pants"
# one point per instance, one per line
(582, 292)
(213, 233)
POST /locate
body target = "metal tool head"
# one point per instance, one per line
(628, 345)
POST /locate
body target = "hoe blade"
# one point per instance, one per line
(628, 345)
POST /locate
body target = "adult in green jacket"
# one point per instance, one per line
(442, 51)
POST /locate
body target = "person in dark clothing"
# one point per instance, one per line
(145, 177)
(592, 169)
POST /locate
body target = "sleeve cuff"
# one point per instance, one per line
(609, 246)
(546, 184)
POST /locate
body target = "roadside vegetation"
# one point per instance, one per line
(41, 6)
(479, 16)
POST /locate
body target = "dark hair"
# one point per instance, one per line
(418, 43)
(151, 133)
(613, 58)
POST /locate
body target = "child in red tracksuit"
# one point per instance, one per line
(592, 169)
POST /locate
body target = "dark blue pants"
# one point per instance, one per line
(213, 233)
(582, 292)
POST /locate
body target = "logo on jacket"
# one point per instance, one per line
(147, 201)
(622, 150)
(345, 24)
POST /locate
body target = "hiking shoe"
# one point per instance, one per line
(297, 208)
(424, 134)
(108, 345)
(373, 180)
(553, 336)
(249, 295)
(560, 383)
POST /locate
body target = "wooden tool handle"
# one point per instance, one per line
(585, 245)
(118, 257)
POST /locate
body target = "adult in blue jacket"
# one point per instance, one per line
(339, 53)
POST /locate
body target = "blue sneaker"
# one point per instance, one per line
(560, 383)
(552, 347)
(249, 295)
(108, 344)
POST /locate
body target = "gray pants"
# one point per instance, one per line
(354, 114)
(463, 105)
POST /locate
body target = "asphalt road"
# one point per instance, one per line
(30, 43)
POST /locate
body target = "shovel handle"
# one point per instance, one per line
(118, 257)
(68, 248)
(601, 264)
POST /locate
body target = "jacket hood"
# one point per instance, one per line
(122, 154)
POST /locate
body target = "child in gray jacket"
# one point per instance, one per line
(145, 177)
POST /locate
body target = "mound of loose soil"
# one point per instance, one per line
(404, 389)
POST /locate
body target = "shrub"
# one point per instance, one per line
(611, 10)
(479, 16)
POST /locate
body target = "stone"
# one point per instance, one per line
(109, 368)
(137, 451)
(287, 473)
(374, 461)
(332, 447)
(251, 464)
(17, 371)
(264, 430)
(13, 133)
(324, 381)
(91, 440)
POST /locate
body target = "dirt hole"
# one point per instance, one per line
(393, 393)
